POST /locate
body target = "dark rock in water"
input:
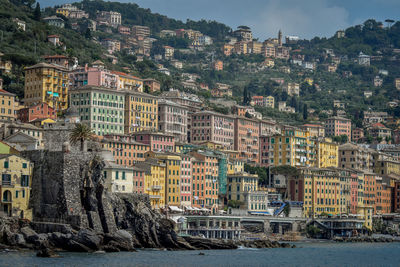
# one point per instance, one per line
(122, 240)
(46, 253)
(29, 234)
(110, 248)
(88, 238)
(76, 247)
(201, 254)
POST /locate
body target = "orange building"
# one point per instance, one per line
(370, 190)
(125, 149)
(383, 197)
(228, 48)
(218, 65)
(205, 180)
(247, 133)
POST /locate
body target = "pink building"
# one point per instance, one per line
(186, 180)
(357, 134)
(94, 76)
(337, 126)
(138, 180)
(353, 193)
(173, 120)
(157, 141)
(208, 126)
(264, 151)
(258, 100)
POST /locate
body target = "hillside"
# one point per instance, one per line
(245, 73)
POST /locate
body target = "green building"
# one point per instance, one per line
(100, 108)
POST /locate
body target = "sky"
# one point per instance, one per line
(303, 18)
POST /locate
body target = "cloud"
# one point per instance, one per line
(305, 19)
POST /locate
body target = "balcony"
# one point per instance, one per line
(154, 197)
(156, 187)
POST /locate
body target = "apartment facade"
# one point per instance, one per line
(46, 83)
(213, 127)
(337, 126)
(173, 120)
(100, 108)
(141, 112)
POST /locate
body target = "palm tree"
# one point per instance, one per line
(81, 133)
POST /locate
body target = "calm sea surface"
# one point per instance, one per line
(306, 254)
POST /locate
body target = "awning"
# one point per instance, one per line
(204, 209)
(175, 208)
(188, 208)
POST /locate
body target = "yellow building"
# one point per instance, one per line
(7, 106)
(154, 181)
(172, 163)
(384, 167)
(46, 83)
(327, 153)
(63, 11)
(128, 82)
(141, 112)
(310, 81)
(269, 101)
(294, 148)
(235, 166)
(179, 147)
(211, 145)
(318, 189)
(239, 184)
(16, 180)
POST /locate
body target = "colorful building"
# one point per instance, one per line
(208, 126)
(157, 141)
(327, 153)
(240, 184)
(173, 120)
(125, 149)
(39, 111)
(46, 83)
(154, 181)
(141, 112)
(119, 179)
(101, 108)
(7, 105)
(247, 133)
(128, 82)
(205, 180)
(172, 163)
(337, 126)
(318, 189)
(186, 180)
(15, 189)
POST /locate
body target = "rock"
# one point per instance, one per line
(110, 248)
(29, 234)
(46, 253)
(201, 254)
(74, 246)
(17, 240)
(88, 238)
(59, 240)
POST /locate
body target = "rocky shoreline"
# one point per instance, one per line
(18, 235)
(367, 239)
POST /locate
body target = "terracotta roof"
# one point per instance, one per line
(4, 92)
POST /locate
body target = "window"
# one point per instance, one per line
(6, 164)
(25, 180)
(24, 165)
(116, 175)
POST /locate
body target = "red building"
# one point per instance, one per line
(157, 141)
(138, 180)
(39, 111)
(264, 151)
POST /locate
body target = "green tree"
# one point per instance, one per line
(305, 112)
(81, 133)
(88, 34)
(37, 14)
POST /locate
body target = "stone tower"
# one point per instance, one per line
(280, 38)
